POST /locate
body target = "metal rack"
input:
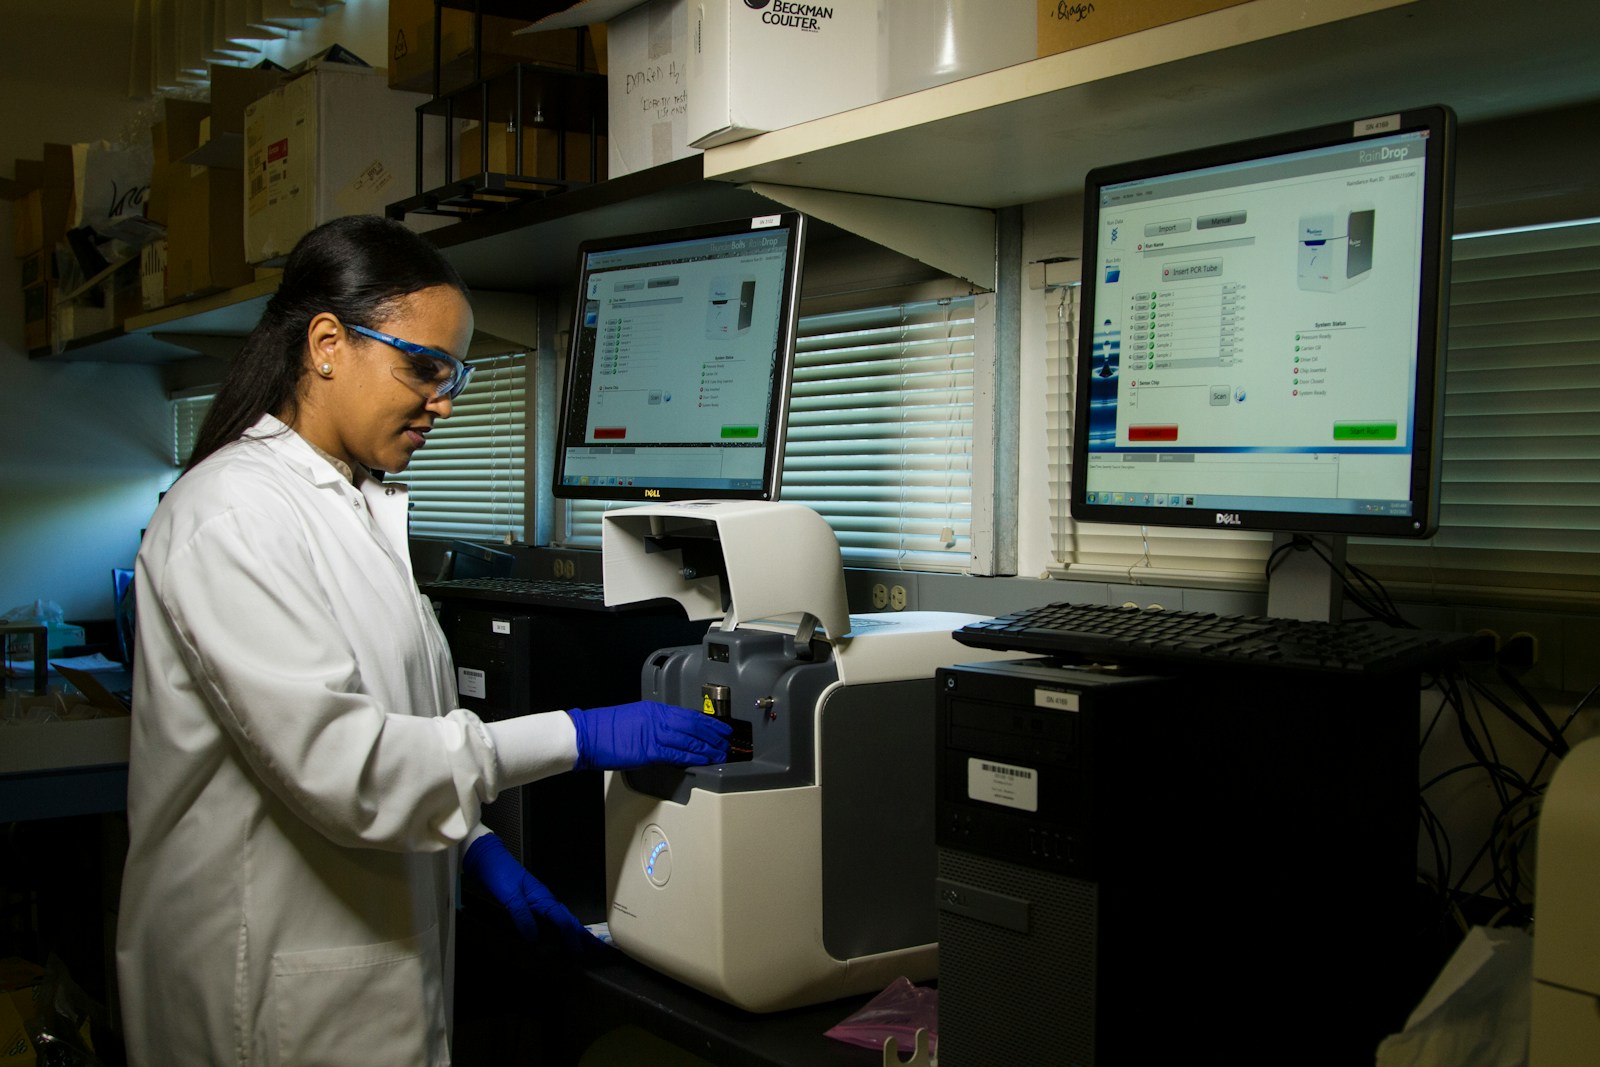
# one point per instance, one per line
(563, 101)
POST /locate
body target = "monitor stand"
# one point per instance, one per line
(1302, 583)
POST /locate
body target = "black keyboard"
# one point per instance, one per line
(535, 592)
(1159, 641)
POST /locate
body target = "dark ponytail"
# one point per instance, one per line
(358, 268)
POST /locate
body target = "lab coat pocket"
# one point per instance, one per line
(363, 1004)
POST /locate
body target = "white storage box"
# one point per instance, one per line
(647, 57)
(334, 141)
(762, 67)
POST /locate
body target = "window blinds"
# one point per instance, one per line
(188, 412)
(880, 431)
(1113, 551)
(880, 434)
(1520, 500)
(1520, 494)
(469, 481)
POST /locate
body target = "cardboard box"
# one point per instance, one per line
(411, 47)
(1064, 26)
(33, 269)
(647, 90)
(56, 193)
(153, 274)
(175, 135)
(82, 742)
(16, 1049)
(20, 980)
(205, 233)
(757, 69)
(233, 89)
(202, 209)
(28, 215)
(335, 140)
(539, 153)
(37, 301)
(85, 315)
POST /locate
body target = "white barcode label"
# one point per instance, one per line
(1003, 783)
(469, 682)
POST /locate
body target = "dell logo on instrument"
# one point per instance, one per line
(1228, 518)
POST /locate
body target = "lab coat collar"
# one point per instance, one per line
(297, 452)
(387, 503)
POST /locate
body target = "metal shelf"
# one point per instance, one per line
(525, 96)
(207, 325)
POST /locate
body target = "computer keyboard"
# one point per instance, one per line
(1157, 640)
(537, 592)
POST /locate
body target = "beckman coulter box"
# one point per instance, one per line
(762, 66)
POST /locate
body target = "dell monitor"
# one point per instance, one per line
(1262, 332)
(681, 355)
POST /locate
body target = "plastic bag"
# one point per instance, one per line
(898, 1012)
(1477, 1012)
(46, 613)
(66, 1022)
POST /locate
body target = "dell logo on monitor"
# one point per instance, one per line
(652, 494)
(1228, 518)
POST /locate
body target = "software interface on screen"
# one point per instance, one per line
(1255, 331)
(676, 361)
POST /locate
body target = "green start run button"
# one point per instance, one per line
(1365, 431)
(742, 433)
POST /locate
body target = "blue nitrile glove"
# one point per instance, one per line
(528, 900)
(647, 731)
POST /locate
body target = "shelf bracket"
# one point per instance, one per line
(957, 240)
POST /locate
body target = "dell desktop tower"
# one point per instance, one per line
(1138, 869)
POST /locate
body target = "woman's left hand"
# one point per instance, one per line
(531, 904)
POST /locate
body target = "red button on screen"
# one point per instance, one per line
(610, 433)
(1153, 433)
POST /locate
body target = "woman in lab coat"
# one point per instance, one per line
(301, 780)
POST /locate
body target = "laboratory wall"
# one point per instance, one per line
(84, 447)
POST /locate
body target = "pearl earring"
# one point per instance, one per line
(326, 370)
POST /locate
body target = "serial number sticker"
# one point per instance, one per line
(1003, 783)
(1382, 124)
(1060, 699)
(500, 626)
(469, 682)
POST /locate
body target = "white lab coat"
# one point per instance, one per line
(300, 777)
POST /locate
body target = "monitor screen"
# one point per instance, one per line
(677, 383)
(1262, 332)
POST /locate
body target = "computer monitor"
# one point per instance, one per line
(1262, 332)
(682, 351)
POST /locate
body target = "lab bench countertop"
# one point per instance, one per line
(537, 1006)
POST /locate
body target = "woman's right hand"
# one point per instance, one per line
(647, 731)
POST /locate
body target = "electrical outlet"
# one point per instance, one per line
(880, 596)
(897, 598)
(1528, 643)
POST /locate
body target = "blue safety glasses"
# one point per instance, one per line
(442, 375)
